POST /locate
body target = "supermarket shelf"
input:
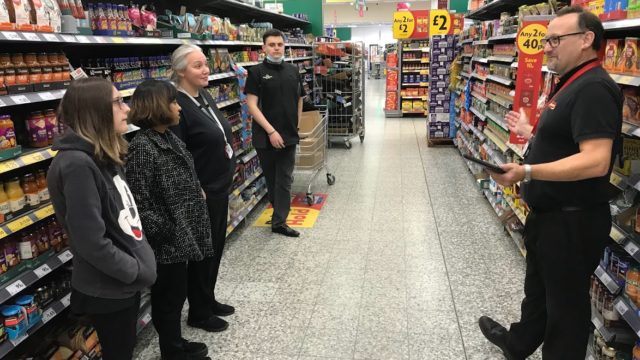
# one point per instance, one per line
(516, 150)
(503, 37)
(422, 84)
(30, 277)
(492, 10)
(496, 140)
(479, 97)
(235, 222)
(31, 98)
(242, 12)
(248, 63)
(626, 79)
(630, 129)
(224, 104)
(518, 212)
(518, 240)
(598, 322)
(501, 80)
(424, 49)
(479, 77)
(493, 155)
(415, 112)
(621, 24)
(480, 60)
(628, 241)
(479, 134)
(629, 313)
(235, 193)
(299, 58)
(237, 127)
(506, 59)
(497, 119)
(508, 104)
(467, 55)
(222, 76)
(607, 280)
(249, 156)
(144, 317)
(478, 113)
(622, 182)
(21, 222)
(466, 41)
(424, 97)
(421, 72)
(465, 74)
(28, 158)
(49, 313)
(480, 42)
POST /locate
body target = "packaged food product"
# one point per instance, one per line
(7, 133)
(15, 194)
(29, 306)
(636, 351)
(53, 14)
(39, 16)
(51, 124)
(37, 129)
(629, 56)
(30, 189)
(5, 17)
(5, 207)
(28, 246)
(42, 239)
(55, 235)
(41, 181)
(11, 253)
(632, 284)
(20, 13)
(15, 321)
(631, 105)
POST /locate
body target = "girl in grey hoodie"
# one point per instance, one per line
(112, 260)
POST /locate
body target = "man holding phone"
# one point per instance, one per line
(565, 182)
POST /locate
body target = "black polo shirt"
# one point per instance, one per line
(278, 88)
(588, 108)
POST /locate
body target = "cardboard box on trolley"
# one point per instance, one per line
(312, 141)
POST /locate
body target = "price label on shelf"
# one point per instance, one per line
(146, 319)
(2, 103)
(51, 37)
(599, 272)
(20, 224)
(621, 307)
(118, 40)
(33, 158)
(48, 315)
(19, 340)
(8, 166)
(82, 39)
(10, 35)
(15, 287)
(424, 72)
(44, 212)
(631, 248)
(46, 96)
(101, 39)
(20, 99)
(66, 300)
(42, 271)
(597, 322)
(68, 38)
(616, 234)
(616, 179)
(65, 256)
(31, 36)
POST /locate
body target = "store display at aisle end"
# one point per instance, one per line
(79, 38)
(487, 90)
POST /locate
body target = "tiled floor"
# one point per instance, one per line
(404, 258)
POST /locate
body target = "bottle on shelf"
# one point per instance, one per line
(16, 196)
(41, 181)
(30, 189)
(5, 207)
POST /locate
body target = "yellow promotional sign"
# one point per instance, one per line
(440, 22)
(302, 215)
(530, 38)
(403, 24)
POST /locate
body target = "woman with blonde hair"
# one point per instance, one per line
(112, 260)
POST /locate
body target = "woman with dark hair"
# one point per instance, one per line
(208, 136)
(172, 207)
(112, 260)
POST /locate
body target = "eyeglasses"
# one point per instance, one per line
(119, 101)
(554, 41)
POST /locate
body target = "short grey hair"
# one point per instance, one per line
(179, 59)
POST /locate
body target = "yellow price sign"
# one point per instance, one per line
(19, 224)
(44, 212)
(616, 234)
(33, 158)
(118, 40)
(424, 72)
(404, 24)
(440, 22)
(3, 234)
(530, 39)
(8, 166)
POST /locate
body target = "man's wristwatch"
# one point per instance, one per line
(527, 173)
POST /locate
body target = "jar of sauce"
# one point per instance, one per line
(30, 58)
(47, 74)
(5, 207)
(43, 59)
(57, 73)
(37, 129)
(43, 239)
(41, 181)
(30, 307)
(35, 74)
(16, 195)
(30, 188)
(51, 123)
(636, 351)
(53, 58)
(28, 246)
(11, 253)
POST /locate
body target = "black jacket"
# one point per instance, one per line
(205, 142)
(111, 256)
(173, 210)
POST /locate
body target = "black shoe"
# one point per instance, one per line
(194, 348)
(496, 334)
(286, 231)
(220, 309)
(213, 324)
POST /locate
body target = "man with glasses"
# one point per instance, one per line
(564, 180)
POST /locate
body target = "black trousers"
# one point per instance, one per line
(277, 165)
(203, 275)
(563, 250)
(117, 331)
(168, 295)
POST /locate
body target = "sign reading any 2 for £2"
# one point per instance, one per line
(404, 24)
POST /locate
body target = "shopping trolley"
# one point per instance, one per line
(311, 155)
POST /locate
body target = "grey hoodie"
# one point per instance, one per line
(111, 256)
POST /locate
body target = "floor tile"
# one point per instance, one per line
(329, 342)
(382, 346)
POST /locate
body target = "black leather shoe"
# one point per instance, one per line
(286, 231)
(496, 334)
(213, 324)
(194, 348)
(220, 309)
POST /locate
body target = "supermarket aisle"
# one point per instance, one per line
(405, 256)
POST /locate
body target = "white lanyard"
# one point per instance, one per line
(210, 112)
(227, 147)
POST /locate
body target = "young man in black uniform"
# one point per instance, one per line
(564, 181)
(274, 95)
